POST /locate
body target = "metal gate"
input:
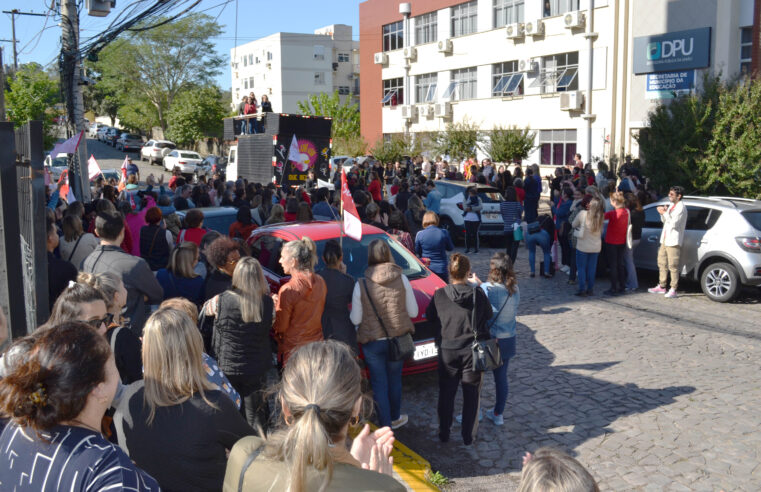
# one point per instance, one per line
(23, 252)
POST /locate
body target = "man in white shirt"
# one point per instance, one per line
(674, 218)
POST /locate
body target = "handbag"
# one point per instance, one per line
(517, 232)
(486, 355)
(399, 348)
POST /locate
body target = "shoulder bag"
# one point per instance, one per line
(486, 355)
(399, 348)
(75, 247)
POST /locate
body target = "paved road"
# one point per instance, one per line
(649, 393)
(110, 158)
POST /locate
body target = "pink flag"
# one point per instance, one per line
(68, 147)
(351, 224)
(93, 169)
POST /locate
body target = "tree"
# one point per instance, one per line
(345, 115)
(509, 144)
(351, 146)
(390, 150)
(31, 94)
(156, 65)
(196, 113)
(101, 101)
(459, 140)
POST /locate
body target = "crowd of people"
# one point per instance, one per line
(156, 359)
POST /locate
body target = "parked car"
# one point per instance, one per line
(187, 160)
(56, 166)
(108, 174)
(451, 211)
(111, 135)
(92, 132)
(213, 164)
(101, 133)
(267, 243)
(215, 218)
(154, 150)
(129, 141)
(721, 248)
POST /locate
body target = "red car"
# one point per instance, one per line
(267, 242)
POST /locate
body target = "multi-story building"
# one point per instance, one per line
(288, 67)
(582, 76)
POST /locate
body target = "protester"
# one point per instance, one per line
(674, 219)
(193, 230)
(336, 323)
(75, 244)
(304, 213)
(533, 189)
(375, 188)
(60, 272)
(382, 306)
(175, 412)
(179, 278)
(266, 105)
(433, 243)
(615, 243)
(243, 225)
(637, 216)
(299, 303)
(55, 398)
(155, 241)
(181, 201)
(587, 229)
(223, 255)
(550, 470)
(451, 312)
(398, 229)
(471, 214)
(511, 211)
(243, 318)
(414, 214)
(277, 215)
(562, 211)
(81, 302)
(541, 236)
(169, 215)
(432, 200)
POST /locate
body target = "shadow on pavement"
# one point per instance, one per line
(547, 406)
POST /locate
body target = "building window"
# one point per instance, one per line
(269, 56)
(319, 52)
(559, 7)
(463, 85)
(746, 48)
(559, 73)
(251, 82)
(425, 28)
(557, 147)
(506, 79)
(245, 61)
(464, 19)
(343, 58)
(356, 86)
(344, 90)
(393, 36)
(508, 12)
(425, 88)
(245, 83)
(319, 78)
(393, 92)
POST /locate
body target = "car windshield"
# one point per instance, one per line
(754, 217)
(163, 145)
(190, 155)
(355, 256)
(59, 162)
(134, 137)
(490, 196)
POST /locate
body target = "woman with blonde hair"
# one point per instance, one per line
(175, 424)
(75, 244)
(551, 470)
(320, 396)
(179, 278)
(240, 338)
(382, 306)
(433, 243)
(587, 228)
(277, 215)
(300, 302)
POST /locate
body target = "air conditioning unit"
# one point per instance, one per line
(515, 31)
(380, 59)
(573, 20)
(445, 46)
(410, 53)
(443, 110)
(571, 101)
(527, 65)
(425, 110)
(534, 28)
(407, 112)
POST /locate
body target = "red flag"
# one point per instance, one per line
(64, 191)
(351, 224)
(123, 178)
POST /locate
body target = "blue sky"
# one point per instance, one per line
(40, 37)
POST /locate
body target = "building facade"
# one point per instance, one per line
(289, 67)
(582, 77)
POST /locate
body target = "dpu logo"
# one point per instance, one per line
(669, 49)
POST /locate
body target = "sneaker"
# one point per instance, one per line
(458, 418)
(671, 294)
(565, 269)
(657, 290)
(497, 419)
(402, 420)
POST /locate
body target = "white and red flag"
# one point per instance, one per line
(93, 169)
(67, 147)
(352, 226)
(123, 178)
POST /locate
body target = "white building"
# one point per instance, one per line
(288, 67)
(583, 79)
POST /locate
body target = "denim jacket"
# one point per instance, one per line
(501, 324)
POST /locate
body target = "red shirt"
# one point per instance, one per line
(289, 217)
(249, 109)
(618, 222)
(194, 235)
(394, 189)
(173, 182)
(237, 229)
(521, 194)
(375, 190)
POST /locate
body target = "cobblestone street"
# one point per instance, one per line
(649, 393)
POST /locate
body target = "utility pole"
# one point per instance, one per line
(70, 84)
(2, 86)
(14, 13)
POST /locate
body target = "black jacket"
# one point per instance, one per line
(242, 349)
(450, 314)
(216, 283)
(153, 246)
(335, 316)
(60, 272)
(127, 353)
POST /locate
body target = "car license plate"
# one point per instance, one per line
(425, 351)
(492, 216)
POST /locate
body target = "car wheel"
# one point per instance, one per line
(720, 282)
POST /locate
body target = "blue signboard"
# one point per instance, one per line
(682, 50)
(667, 85)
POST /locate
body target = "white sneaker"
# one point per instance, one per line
(497, 419)
(402, 420)
(671, 294)
(565, 269)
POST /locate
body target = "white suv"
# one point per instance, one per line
(154, 150)
(451, 211)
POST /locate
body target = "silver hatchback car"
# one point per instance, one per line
(721, 248)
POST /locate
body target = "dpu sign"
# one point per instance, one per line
(680, 50)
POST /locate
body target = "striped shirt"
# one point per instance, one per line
(511, 214)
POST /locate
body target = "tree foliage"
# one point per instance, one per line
(196, 113)
(388, 150)
(509, 144)
(31, 94)
(345, 115)
(459, 140)
(101, 100)
(148, 70)
(351, 146)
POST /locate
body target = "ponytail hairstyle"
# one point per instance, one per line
(501, 271)
(249, 286)
(595, 215)
(107, 283)
(304, 251)
(50, 382)
(459, 266)
(68, 305)
(320, 387)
